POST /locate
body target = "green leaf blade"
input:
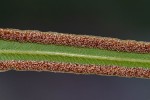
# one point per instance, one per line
(10, 50)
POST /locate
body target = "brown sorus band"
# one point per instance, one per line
(74, 68)
(75, 40)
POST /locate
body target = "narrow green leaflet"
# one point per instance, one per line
(10, 50)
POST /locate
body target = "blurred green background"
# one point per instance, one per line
(124, 19)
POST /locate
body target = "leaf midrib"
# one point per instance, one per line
(30, 52)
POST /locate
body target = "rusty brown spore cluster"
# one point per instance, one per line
(75, 40)
(74, 68)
